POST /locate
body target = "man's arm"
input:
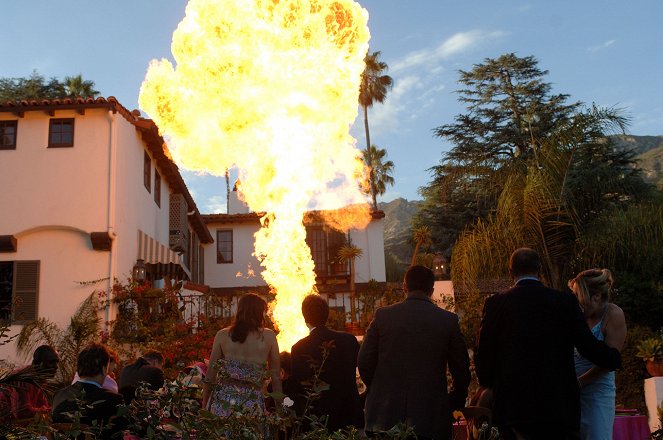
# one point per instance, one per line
(368, 352)
(459, 366)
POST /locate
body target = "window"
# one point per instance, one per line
(147, 171)
(224, 246)
(8, 135)
(157, 188)
(324, 244)
(61, 133)
(19, 291)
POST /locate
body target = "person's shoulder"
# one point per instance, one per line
(615, 313)
(268, 334)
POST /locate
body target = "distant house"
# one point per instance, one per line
(88, 190)
(231, 268)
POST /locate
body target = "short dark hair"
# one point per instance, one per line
(92, 360)
(524, 261)
(315, 310)
(420, 278)
(153, 355)
(45, 354)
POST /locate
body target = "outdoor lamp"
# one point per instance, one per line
(439, 265)
(139, 272)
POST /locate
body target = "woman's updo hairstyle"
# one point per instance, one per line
(250, 317)
(592, 282)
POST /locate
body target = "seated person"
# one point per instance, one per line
(26, 399)
(147, 369)
(109, 382)
(97, 406)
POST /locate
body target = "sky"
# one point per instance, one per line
(607, 52)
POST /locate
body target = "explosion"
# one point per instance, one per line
(269, 87)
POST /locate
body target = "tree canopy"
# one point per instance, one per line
(36, 86)
(375, 84)
(511, 114)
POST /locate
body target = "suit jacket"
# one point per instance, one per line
(525, 354)
(403, 361)
(341, 401)
(96, 405)
(134, 374)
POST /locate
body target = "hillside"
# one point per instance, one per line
(397, 229)
(649, 151)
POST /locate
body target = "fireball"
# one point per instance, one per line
(269, 87)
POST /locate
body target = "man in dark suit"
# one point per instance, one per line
(147, 369)
(96, 405)
(525, 355)
(335, 355)
(403, 361)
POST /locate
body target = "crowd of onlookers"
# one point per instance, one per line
(530, 362)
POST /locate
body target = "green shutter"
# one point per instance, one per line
(26, 291)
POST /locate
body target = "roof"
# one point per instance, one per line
(149, 133)
(251, 217)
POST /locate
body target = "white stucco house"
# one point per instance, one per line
(88, 189)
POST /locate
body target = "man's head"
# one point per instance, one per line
(93, 362)
(154, 358)
(419, 278)
(46, 359)
(315, 310)
(524, 262)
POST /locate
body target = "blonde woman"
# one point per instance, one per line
(597, 385)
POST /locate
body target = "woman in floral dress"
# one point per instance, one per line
(243, 356)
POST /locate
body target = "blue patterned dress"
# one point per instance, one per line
(597, 399)
(239, 388)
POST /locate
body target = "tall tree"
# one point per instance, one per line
(76, 86)
(382, 170)
(510, 113)
(373, 88)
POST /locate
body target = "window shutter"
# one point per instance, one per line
(26, 289)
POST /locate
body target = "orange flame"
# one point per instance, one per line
(269, 87)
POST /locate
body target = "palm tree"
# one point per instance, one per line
(381, 170)
(373, 88)
(348, 253)
(76, 86)
(422, 237)
(227, 175)
(68, 342)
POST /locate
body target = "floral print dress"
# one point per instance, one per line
(238, 388)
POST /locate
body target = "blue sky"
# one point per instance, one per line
(606, 52)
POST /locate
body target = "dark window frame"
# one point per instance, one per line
(13, 124)
(157, 188)
(220, 259)
(54, 123)
(22, 306)
(147, 171)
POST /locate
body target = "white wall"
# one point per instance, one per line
(58, 196)
(371, 265)
(225, 275)
(55, 186)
